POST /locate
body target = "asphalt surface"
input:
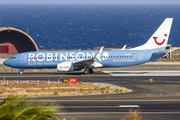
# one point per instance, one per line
(156, 100)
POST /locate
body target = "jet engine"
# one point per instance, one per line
(65, 66)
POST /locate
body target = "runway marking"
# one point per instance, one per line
(108, 113)
(131, 106)
(143, 73)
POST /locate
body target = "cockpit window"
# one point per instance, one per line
(13, 57)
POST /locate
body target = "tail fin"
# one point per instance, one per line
(159, 39)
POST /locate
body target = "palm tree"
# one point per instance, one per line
(18, 108)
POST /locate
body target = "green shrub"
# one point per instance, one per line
(117, 90)
(122, 89)
(56, 93)
(103, 88)
(107, 88)
(108, 91)
(103, 91)
(90, 92)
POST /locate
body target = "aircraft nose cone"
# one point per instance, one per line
(6, 62)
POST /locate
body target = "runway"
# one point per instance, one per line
(156, 97)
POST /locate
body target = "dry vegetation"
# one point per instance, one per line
(175, 57)
(168, 60)
(43, 88)
(27, 70)
(133, 115)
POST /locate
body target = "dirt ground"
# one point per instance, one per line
(45, 88)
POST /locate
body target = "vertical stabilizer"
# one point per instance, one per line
(159, 39)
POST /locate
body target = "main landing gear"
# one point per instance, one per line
(20, 72)
(88, 71)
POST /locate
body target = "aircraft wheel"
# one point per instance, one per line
(90, 70)
(86, 71)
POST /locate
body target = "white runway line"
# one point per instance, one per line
(143, 73)
(127, 106)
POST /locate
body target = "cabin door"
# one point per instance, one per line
(140, 56)
(23, 58)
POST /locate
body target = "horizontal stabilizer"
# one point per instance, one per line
(164, 51)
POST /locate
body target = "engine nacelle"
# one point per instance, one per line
(65, 66)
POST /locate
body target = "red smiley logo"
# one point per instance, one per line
(155, 39)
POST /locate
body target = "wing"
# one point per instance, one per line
(90, 62)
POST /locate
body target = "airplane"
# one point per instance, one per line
(68, 61)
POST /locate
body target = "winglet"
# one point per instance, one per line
(124, 47)
(98, 55)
